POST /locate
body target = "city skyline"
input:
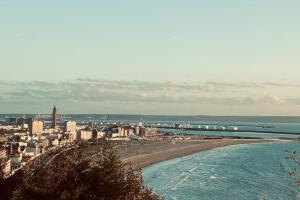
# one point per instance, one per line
(170, 57)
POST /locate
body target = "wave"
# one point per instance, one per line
(236, 172)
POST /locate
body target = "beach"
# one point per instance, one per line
(146, 153)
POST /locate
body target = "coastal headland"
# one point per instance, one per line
(146, 153)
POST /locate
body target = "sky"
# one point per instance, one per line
(174, 57)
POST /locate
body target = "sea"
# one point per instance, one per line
(240, 172)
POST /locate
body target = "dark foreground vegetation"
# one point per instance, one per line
(72, 176)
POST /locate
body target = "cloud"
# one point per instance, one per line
(272, 99)
(235, 85)
(274, 84)
(93, 90)
(295, 101)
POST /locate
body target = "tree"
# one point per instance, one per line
(7, 184)
(71, 176)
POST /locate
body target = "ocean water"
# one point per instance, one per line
(242, 172)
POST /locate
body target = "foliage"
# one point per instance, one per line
(7, 184)
(71, 176)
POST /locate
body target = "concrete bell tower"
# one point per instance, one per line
(54, 118)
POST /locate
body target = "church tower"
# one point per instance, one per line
(54, 118)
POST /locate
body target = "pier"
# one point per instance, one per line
(228, 130)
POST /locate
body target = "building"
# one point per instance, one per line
(232, 128)
(100, 134)
(11, 121)
(6, 127)
(32, 149)
(137, 130)
(7, 165)
(55, 142)
(178, 126)
(7, 168)
(24, 127)
(71, 136)
(54, 118)
(150, 132)
(36, 127)
(3, 154)
(44, 142)
(22, 120)
(127, 131)
(15, 160)
(85, 135)
(70, 126)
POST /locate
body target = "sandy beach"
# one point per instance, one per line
(146, 153)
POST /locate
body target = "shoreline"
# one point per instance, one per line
(140, 161)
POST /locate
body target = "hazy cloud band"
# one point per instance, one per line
(91, 90)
